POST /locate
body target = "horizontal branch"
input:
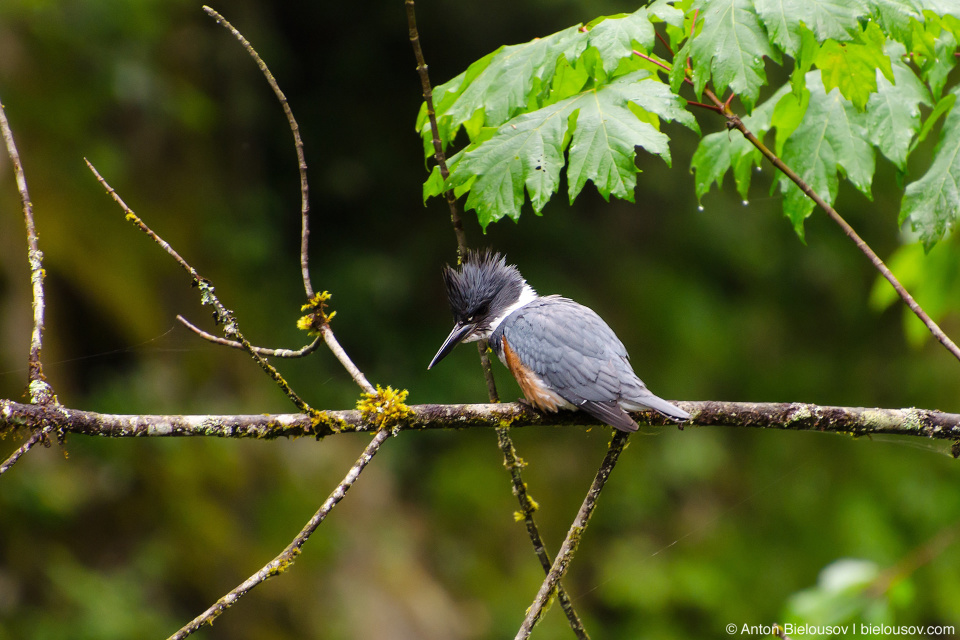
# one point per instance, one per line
(791, 416)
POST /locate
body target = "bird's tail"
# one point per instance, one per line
(650, 401)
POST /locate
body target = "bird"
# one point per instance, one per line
(562, 354)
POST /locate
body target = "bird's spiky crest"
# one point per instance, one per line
(482, 285)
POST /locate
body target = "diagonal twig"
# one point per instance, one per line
(528, 506)
(441, 159)
(297, 143)
(734, 122)
(263, 351)
(35, 437)
(222, 315)
(325, 332)
(318, 321)
(289, 555)
(572, 541)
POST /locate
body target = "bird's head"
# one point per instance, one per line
(482, 292)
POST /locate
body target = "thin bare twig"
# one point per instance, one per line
(344, 359)
(438, 154)
(222, 315)
(289, 555)
(528, 506)
(40, 390)
(572, 541)
(924, 554)
(297, 143)
(263, 351)
(35, 437)
(441, 160)
(325, 332)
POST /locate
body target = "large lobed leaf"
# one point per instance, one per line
(520, 78)
(827, 19)
(832, 137)
(893, 112)
(730, 48)
(863, 73)
(599, 128)
(932, 203)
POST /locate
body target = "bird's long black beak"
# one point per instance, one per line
(460, 331)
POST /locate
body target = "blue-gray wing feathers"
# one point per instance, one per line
(575, 353)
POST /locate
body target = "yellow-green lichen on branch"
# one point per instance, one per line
(316, 314)
(385, 407)
(323, 424)
(530, 507)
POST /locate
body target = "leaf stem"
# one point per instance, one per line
(664, 41)
(666, 67)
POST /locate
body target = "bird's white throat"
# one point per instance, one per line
(527, 295)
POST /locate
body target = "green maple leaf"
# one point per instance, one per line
(893, 112)
(498, 86)
(599, 128)
(852, 66)
(524, 77)
(730, 49)
(827, 19)
(614, 36)
(895, 15)
(932, 203)
(934, 43)
(831, 137)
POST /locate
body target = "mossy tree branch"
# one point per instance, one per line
(788, 416)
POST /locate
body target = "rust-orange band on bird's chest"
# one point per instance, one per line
(533, 389)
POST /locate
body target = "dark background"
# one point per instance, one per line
(697, 529)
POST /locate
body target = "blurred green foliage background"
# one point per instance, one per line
(697, 529)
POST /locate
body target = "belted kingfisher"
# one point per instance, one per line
(563, 355)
